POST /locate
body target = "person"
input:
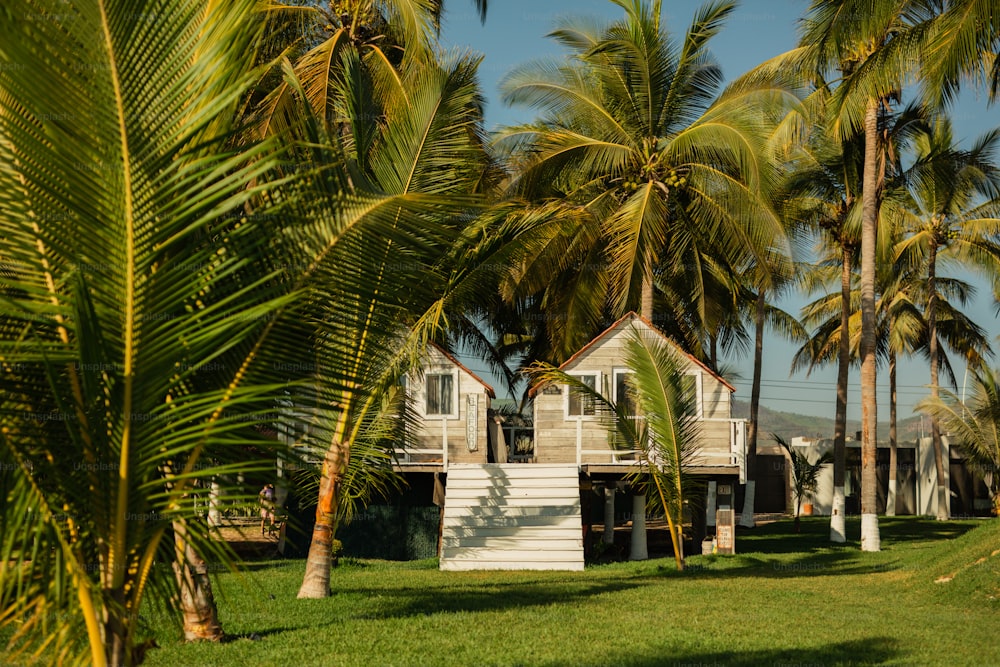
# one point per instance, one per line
(266, 497)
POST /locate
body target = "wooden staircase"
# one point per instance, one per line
(512, 517)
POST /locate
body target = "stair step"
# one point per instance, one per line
(504, 516)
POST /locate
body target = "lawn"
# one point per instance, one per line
(786, 599)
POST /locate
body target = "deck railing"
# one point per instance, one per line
(716, 452)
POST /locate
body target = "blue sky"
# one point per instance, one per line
(514, 33)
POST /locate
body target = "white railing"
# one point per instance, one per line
(406, 457)
(733, 455)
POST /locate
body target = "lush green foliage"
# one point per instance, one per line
(640, 173)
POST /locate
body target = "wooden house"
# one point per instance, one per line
(527, 513)
(453, 405)
(567, 428)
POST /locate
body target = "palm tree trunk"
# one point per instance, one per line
(932, 350)
(316, 582)
(646, 304)
(890, 497)
(838, 530)
(198, 610)
(870, 540)
(637, 539)
(746, 520)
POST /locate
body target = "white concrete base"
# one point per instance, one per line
(710, 505)
(638, 549)
(608, 536)
(870, 539)
(838, 529)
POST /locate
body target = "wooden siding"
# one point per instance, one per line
(434, 429)
(556, 434)
(512, 517)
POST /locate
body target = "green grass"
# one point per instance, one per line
(785, 599)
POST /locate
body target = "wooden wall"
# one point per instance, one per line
(556, 435)
(434, 428)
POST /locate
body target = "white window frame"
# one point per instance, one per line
(615, 373)
(569, 390)
(699, 398)
(453, 409)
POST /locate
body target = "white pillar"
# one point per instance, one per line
(608, 536)
(710, 505)
(838, 530)
(638, 550)
(890, 498)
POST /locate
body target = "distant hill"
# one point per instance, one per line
(789, 424)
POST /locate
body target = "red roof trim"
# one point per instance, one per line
(449, 357)
(632, 315)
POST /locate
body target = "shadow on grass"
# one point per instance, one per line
(776, 551)
(870, 651)
(780, 537)
(408, 602)
(831, 563)
(906, 529)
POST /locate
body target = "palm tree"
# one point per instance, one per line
(975, 424)
(825, 179)
(805, 474)
(963, 41)
(875, 46)
(379, 33)
(667, 434)
(952, 217)
(422, 168)
(771, 277)
(133, 267)
(636, 171)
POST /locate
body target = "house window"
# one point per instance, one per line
(579, 404)
(624, 393)
(440, 388)
(692, 387)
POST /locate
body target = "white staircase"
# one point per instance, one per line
(512, 517)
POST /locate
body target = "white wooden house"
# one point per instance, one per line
(452, 403)
(567, 429)
(527, 515)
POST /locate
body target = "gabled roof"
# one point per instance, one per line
(632, 316)
(452, 359)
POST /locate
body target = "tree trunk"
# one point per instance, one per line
(713, 350)
(646, 305)
(838, 529)
(638, 550)
(214, 496)
(114, 634)
(198, 610)
(746, 519)
(316, 582)
(932, 350)
(890, 496)
(870, 540)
